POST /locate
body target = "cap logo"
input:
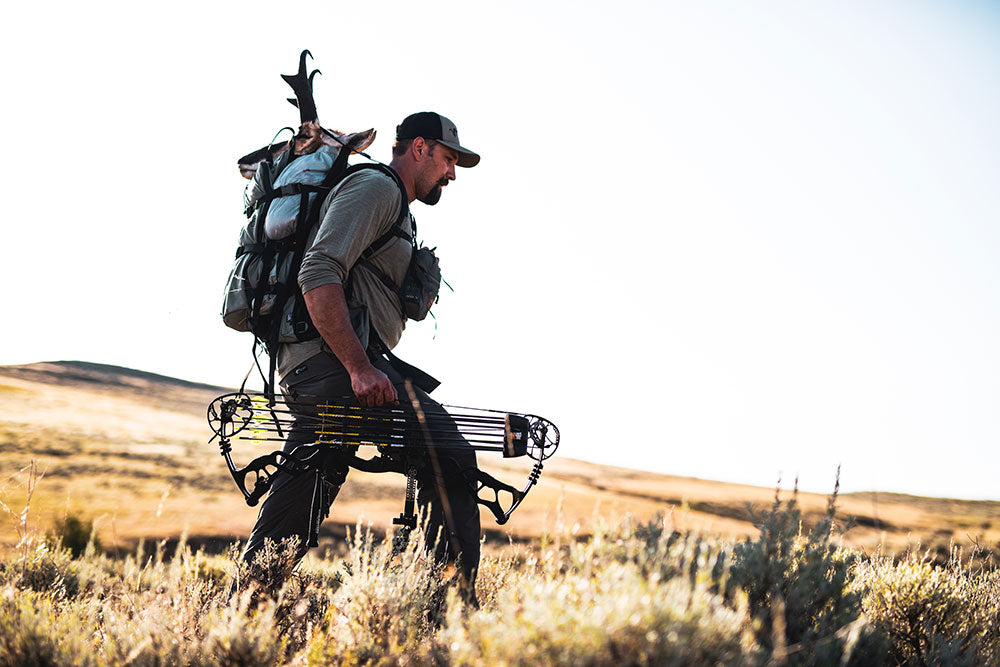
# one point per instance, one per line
(454, 132)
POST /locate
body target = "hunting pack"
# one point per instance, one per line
(288, 183)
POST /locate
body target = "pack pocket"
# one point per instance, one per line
(421, 285)
(236, 301)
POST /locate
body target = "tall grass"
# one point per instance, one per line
(630, 593)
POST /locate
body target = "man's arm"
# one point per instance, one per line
(328, 310)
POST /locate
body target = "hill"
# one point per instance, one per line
(129, 450)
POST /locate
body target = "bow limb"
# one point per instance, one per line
(484, 480)
(259, 473)
(255, 478)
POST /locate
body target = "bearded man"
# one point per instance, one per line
(356, 255)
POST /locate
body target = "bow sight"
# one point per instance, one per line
(410, 441)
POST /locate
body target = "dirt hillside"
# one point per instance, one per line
(129, 450)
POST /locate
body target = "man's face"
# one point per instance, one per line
(435, 167)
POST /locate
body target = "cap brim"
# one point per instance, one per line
(466, 158)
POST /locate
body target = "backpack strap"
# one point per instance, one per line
(396, 231)
(422, 379)
(302, 323)
(275, 252)
(269, 170)
(306, 219)
(380, 274)
(404, 209)
(287, 190)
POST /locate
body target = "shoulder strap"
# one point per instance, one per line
(307, 219)
(393, 232)
(404, 209)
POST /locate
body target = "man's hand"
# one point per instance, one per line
(328, 310)
(373, 387)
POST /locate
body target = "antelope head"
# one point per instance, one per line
(311, 134)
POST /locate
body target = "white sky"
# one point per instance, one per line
(720, 239)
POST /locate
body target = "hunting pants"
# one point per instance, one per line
(286, 509)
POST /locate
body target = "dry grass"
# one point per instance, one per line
(630, 593)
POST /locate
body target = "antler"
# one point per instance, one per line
(302, 86)
(310, 135)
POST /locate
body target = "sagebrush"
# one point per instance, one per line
(630, 593)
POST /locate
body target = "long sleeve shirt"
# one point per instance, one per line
(359, 210)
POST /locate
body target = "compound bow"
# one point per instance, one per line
(411, 442)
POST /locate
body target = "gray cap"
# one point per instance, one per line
(430, 125)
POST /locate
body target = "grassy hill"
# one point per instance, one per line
(129, 450)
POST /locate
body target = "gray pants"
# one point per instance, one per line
(286, 509)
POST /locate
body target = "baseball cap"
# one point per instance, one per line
(430, 125)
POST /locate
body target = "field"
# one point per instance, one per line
(129, 451)
(600, 565)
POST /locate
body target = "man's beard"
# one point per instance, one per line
(433, 196)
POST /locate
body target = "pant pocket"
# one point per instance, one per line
(320, 376)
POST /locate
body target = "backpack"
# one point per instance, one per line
(283, 201)
(282, 206)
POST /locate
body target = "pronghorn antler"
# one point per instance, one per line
(310, 135)
(302, 86)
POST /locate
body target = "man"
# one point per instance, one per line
(366, 230)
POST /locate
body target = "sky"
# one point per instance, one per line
(741, 241)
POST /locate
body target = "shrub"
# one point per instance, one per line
(934, 614)
(617, 616)
(271, 567)
(236, 637)
(44, 569)
(632, 594)
(73, 533)
(386, 605)
(35, 632)
(797, 588)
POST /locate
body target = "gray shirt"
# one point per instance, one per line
(358, 211)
